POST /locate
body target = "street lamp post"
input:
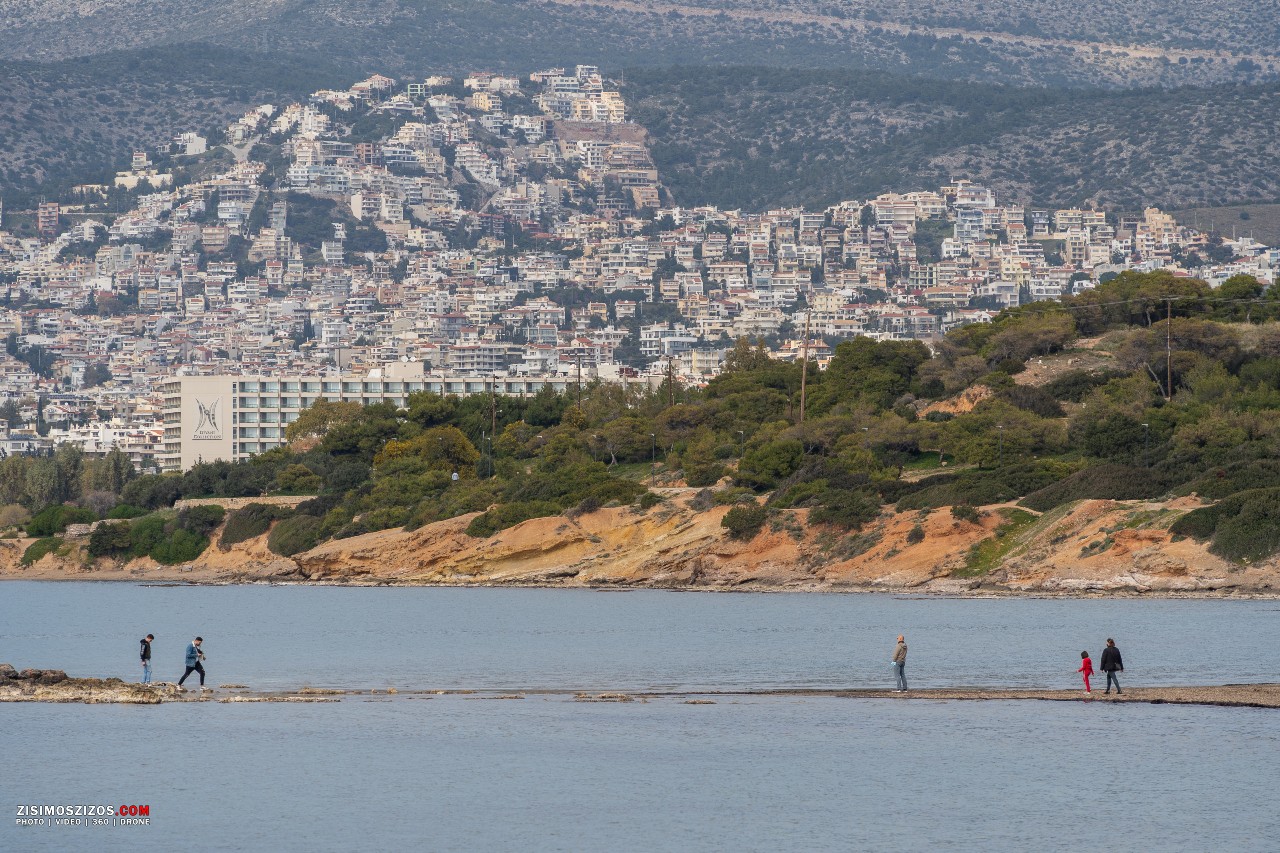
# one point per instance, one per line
(653, 459)
(1000, 463)
(742, 445)
(1146, 445)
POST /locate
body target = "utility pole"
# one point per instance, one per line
(804, 365)
(493, 408)
(671, 382)
(579, 380)
(1168, 350)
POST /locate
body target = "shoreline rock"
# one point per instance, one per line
(53, 685)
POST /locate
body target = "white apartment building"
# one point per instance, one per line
(230, 417)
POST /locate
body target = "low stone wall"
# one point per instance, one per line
(230, 504)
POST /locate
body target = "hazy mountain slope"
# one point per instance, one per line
(738, 137)
(1023, 42)
(759, 137)
(1245, 25)
(55, 29)
(74, 121)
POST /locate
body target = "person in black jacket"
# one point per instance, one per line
(1111, 664)
(145, 653)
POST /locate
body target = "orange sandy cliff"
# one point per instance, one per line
(1090, 547)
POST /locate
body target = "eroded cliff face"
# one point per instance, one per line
(1091, 547)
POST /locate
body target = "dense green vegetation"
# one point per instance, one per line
(250, 521)
(40, 548)
(1243, 527)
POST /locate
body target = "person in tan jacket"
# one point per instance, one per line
(900, 663)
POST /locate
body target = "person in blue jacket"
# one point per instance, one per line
(194, 656)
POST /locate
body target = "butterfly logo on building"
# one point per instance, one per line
(207, 426)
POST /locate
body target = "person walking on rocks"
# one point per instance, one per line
(1111, 664)
(145, 653)
(194, 656)
(900, 663)
(1086, 667)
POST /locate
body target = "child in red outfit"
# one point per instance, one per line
(1086, 666)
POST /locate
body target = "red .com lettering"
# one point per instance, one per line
(133, 811)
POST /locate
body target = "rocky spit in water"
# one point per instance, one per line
(54, 685)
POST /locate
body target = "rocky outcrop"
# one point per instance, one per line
(1087, 548)
(53, 685)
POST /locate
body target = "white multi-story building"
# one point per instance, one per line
(230, 417)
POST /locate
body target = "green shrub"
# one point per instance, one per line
(566, 485)
(651, 499)
(744, 521)
(1107, 481)
(764, 467)
(981, 487)
(297, 480)
(355, 527)
(700, 475)
(1032, 399)
(846, 508)
(107, 540)
(1243, 527)
(588, 506)
(54, 519)
(320, 505)
(964, 512)
(806, 486)
(459, 499)
(1252, 533)
(915, 535)
(294, 535)
(1074, 385)
(508, 515)
(892, 491)
(39, 548)
(1218, 483)
(387, 517)
(250, 521)
(733, 495)
(153, 491)
(201, 520)
(1200, 523)
(180, 546)
(126, 511)
(147, 533)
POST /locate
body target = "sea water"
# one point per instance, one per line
(543, 773)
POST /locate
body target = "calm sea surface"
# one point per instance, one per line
(546, 773)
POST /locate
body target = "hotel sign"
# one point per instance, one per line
(209, 423)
